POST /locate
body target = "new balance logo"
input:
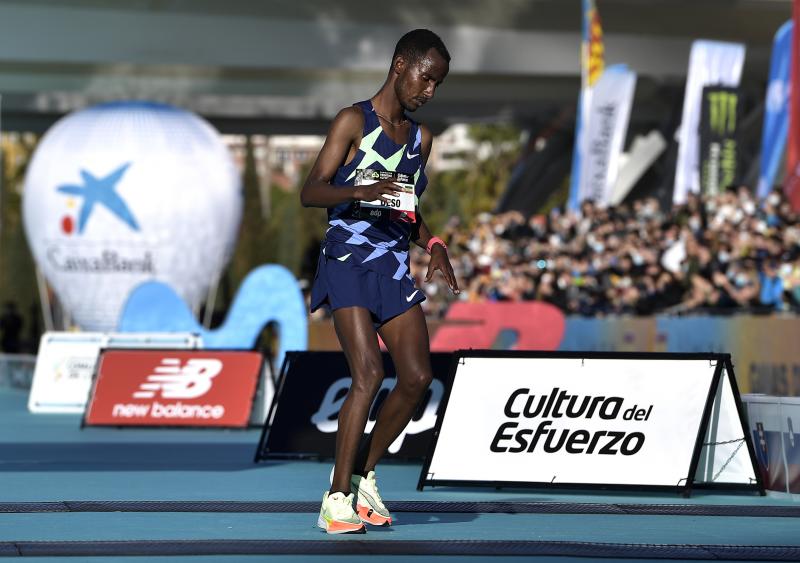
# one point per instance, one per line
(176, 381)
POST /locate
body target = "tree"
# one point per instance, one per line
(17, 269)
(475, 189)
(282, 238)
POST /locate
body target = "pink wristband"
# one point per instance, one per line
(435, 240)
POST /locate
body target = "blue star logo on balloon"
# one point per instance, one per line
(97, 191)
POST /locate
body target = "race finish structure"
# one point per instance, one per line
(609, 420)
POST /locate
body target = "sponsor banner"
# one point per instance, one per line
(174, 388)
(592, 65)
(590, 420)
(710, 63)
(610, 111)
(764, 348)
(510, 325)
(775, 431)
(66, 361)
(776, 112)
(719, 149)
(313, 386)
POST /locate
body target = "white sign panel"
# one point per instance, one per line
(573, 421)
(66, 360)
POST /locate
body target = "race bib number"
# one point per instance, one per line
(400, 208)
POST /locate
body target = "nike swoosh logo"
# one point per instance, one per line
(409, 155)
(410, 297)
(343, 258)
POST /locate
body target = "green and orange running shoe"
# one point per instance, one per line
(336, 516)
(369, 506)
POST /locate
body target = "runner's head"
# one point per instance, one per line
(419, 64)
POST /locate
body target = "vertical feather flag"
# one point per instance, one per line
(711, 63)
(592, 65)
(776, 112)
(612, 99)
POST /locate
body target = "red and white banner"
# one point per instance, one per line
(174, 388)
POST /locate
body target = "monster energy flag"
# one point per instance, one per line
(710, 63)
(719, 150)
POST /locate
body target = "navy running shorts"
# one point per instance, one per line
(345, 284)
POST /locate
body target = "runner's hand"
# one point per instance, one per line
(378, 190)
(440, 261)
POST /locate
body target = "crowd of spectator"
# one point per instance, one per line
(722, 254)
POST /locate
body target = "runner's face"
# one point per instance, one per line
(418, 80)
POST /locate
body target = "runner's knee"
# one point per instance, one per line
(415, 383)
(367, 380)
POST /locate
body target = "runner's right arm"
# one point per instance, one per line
(342, 142)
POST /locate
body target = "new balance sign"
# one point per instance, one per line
(174, 388)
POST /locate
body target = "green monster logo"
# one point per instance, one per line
(722, 112)
(719, 159)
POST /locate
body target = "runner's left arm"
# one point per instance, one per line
(422, 235)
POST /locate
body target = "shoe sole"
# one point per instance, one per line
(321, 523)
(368, 515)
(362, 511)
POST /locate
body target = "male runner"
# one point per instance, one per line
(363, 274)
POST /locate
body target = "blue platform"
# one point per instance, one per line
(224, 505)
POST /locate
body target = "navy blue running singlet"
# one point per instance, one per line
(379, 245)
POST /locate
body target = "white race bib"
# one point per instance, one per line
(401, 207)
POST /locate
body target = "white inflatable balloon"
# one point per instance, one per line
(126, 192)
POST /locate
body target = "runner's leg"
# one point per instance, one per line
(406, 338)
(360, 345)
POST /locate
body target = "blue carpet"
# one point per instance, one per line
(49, 458)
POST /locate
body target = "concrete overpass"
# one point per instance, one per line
(287, 66)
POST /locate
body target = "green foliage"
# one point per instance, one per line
(17, 273)
(476, 188)
(281, 238)
(252, 243)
